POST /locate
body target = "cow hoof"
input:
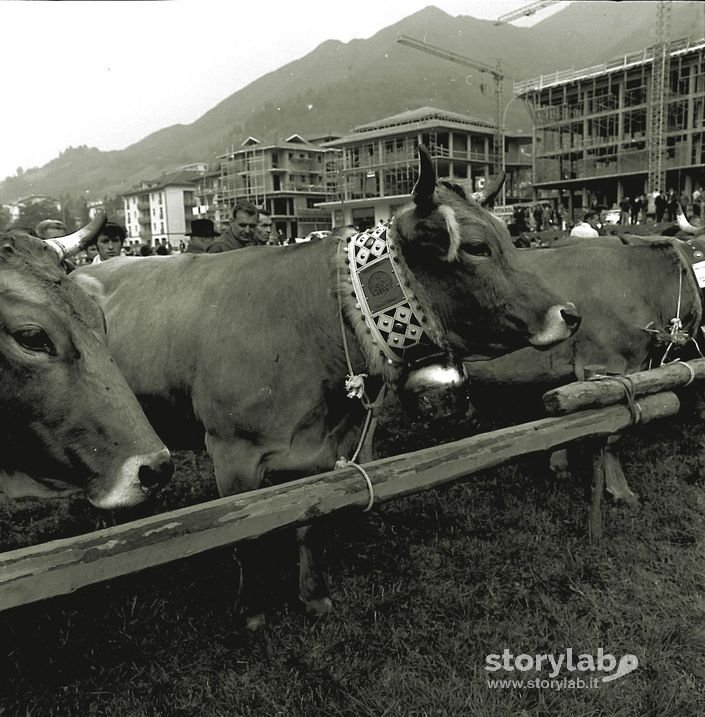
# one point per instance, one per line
(254, 623)
(318, 607)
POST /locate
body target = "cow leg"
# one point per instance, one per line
(313, 590)
(238, 469)
(559, 464)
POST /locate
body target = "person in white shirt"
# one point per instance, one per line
(588, 227)
(109, 242)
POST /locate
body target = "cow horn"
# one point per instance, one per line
(426, 183)
(73, 243)
(683, 224)
(491, 190)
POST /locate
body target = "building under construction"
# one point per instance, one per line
(609, 131)
(287, 178)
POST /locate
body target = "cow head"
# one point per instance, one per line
(481, 298)
(70, 421)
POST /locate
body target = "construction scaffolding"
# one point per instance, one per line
(657, 103)
(627, 127)
(243, 175)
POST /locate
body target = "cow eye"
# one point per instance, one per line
(476, 249)
(34, 338)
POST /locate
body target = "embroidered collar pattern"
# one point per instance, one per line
(391, 313)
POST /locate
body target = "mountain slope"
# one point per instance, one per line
(340, 85)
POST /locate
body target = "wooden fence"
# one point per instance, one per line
(62, 566)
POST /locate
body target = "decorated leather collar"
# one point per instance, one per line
(398, 325)
(695, 249)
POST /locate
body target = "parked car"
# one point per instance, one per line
(612, 216)
(317, 235)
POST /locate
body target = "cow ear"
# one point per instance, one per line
(425, 186)
(487, 196)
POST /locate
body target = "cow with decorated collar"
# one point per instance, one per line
(265, 352)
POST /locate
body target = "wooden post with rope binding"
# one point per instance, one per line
(606, 468)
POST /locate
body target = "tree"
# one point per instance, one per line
(114, 207)
(83, 214)
(32, 213)
(5, 218)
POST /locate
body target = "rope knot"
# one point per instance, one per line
(355, 385)
(676, 333)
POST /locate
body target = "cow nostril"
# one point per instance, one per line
(155, 476)
(571, 316)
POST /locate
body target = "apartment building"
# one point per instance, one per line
(160, 211)
(208, 199)
(286, 178)
(376, 168)
(594, 128)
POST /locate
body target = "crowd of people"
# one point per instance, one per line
(538, 217)
(248, 226)
(639, 209)
(252, 226)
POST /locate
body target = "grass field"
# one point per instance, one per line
(424, 589)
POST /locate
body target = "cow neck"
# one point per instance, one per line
(392, 320)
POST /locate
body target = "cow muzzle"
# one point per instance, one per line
(561, 322)
(139, 477)
(156, 473)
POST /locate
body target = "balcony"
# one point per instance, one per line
(302, 187)
(623, 162)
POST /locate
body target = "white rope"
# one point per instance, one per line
(676, 323)
(355, 383)
(355, 387)
(345, 463)
(680, 294)
(692, 373)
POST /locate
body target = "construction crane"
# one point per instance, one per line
(656, 123)
(495, 72)
(524, 11)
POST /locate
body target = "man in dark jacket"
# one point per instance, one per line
(202, 234)
(241, 231)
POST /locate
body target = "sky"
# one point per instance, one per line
(107, 74)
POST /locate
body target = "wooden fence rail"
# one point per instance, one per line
(607, 390)
(62, 566)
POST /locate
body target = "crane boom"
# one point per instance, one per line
(524, 11)
(496, 73)
(448, 55)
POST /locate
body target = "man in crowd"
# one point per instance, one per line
(240, 233)
(109, 242)
(588, 227)
(264, 228)
(202, 234)
(660, 203)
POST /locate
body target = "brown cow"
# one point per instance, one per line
(628, 296)
(70, 422)
(249, 347)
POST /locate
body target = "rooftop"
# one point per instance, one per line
(416, 119)
(561, 77)
(261, 148)
(182, 177)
